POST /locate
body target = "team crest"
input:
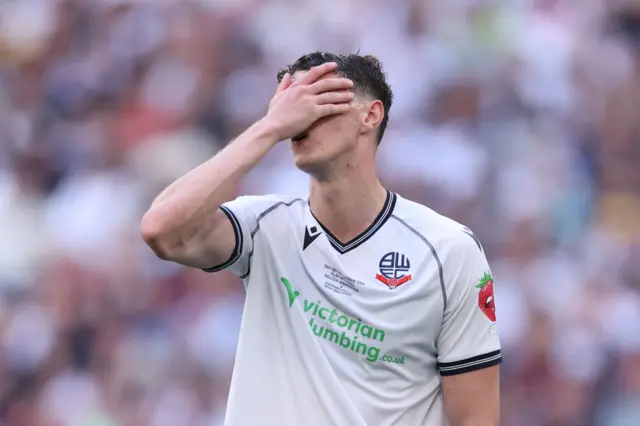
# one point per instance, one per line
(486, 301)
(394, 270)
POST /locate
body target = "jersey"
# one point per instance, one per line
(356, 333)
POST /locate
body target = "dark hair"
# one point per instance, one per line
(365, 71)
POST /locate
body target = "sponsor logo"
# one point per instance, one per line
(333, 326)
(394, 270)
(310, 235)
(486, 301)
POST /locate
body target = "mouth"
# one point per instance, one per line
(300, 137)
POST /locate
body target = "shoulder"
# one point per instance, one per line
(263, 204)
(442, 233)
(269, 199)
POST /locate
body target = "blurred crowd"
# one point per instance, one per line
(519, 118)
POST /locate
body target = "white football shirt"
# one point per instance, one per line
(354, 333)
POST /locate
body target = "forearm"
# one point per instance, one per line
(198, 194)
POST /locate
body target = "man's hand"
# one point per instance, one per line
(297, 105)
(185, 223)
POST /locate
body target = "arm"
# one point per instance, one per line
(468, 344)
(473, 399)
(186, 224)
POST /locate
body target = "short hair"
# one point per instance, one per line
(366, 72)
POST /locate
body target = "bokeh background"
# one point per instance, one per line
(519, 118)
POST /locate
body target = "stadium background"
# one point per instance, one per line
(519, 118)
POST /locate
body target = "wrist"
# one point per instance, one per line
(268, 131)
(255, 142)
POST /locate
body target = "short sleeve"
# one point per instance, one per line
(468, 339)
(243, 214)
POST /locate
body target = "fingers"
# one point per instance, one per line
(316, 73)
(333, 109)
(285, 83)
(334, 97)
(330, 85)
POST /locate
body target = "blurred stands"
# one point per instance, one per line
(519, 118)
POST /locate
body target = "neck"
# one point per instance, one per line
(348, 202)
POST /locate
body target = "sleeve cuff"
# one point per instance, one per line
(237, 250)
(470, 364)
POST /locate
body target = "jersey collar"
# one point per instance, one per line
(383, 216)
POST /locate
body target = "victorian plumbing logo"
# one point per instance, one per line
(331, 325)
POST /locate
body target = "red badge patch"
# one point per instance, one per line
(486, 301)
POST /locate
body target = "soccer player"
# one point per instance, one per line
(362, 307)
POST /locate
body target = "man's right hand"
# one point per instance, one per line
(185, 223)
(297, 105)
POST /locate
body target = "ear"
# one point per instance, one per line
(374, 116)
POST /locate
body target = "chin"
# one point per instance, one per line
(312, 157)
(306, 156)
(308, 164)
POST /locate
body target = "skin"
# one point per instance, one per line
(473, 399)
(185, 224)
(339, 155)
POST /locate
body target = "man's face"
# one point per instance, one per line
(327, 139)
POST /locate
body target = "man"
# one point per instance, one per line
(362, 308)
